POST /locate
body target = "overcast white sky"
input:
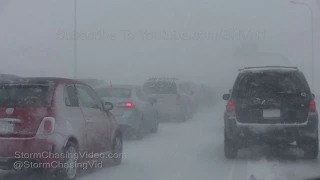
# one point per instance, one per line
(36, 37)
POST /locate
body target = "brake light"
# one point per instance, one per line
(126, 104)
(110, 89)
(230, 106)
(129, 104)
(312, 107)
(192, 94)
(46, 126)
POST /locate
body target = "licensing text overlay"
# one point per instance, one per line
(55, 160)
(232, 34)
(80, 155)
(19, 165)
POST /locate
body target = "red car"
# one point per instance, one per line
(45, 120)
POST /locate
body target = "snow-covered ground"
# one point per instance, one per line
(194, 151)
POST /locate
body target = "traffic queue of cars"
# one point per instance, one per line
(65, 117)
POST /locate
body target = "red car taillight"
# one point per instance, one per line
(46, 126)
(312, 107)
(230, 107)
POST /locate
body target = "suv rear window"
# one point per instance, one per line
(25, 95)
(114, 92)
(272, 84)
(160, 87)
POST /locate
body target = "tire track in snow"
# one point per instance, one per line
(263, 170)
(238, 170)
(230, 174)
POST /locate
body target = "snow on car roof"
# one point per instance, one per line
(116, 86)
(269, 68)
(35, 80)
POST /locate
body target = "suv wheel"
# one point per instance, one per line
(310, 148)
(230, 149)
(156, 126)
(192, 111)
(141, 130)
(184, 114)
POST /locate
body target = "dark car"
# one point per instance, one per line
(58, 116)
(134, 111)
(271, 105)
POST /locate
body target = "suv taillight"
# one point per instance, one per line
(312, 107)
(230, 107)
(46, 126)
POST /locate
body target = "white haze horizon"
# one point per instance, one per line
(130, 41)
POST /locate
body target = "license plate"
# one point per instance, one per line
(271, 113)
(6, 127)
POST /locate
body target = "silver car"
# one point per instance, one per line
(134, 112)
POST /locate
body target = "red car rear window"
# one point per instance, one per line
(25, 95)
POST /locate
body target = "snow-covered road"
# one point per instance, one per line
(194, 151)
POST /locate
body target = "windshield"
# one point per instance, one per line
(114, 92)
(161, 87)
(25, 96)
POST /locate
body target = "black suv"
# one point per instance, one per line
(270, 104)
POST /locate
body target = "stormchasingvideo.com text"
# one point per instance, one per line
(82, 155)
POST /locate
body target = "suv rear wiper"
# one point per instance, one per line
(285, 92)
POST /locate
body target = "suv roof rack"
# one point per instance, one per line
(289, 67)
